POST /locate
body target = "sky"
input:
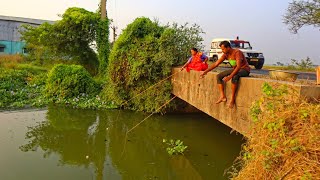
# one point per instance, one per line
(258, 21)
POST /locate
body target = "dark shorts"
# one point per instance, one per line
(235, 78)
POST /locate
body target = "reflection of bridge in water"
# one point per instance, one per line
(202, 94)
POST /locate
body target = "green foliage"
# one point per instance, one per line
(71, 38)
(175, 146)
(306, 176)
(302, 13)
(37, 42)
(10, 81)
(255, 111)
(73, 86)
(69, 81)
(179, 39)
(21, 88)
(269, 91)
(29, 86)
(142, 56)
(303, 64)
(246, 155)
(32, 69)
(103, 44)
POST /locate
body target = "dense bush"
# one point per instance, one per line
(142, 56)
(68, 81)
(10, 81)
(21, 88)
(73, 38)
(28, 87)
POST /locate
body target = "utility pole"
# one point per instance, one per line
(103, 9)
(114, 29)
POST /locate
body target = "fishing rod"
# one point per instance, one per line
(154, 85)
(166, 103)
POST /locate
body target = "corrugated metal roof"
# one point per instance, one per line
(25, 20)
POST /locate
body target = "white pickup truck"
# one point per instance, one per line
(253, 57)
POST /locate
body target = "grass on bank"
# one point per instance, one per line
(283, 142)
(289, 68)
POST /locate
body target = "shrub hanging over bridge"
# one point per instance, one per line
(142, 56)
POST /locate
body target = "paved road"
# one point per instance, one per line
(302, 75)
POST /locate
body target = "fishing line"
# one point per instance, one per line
(166, 103)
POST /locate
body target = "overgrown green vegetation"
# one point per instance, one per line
(142, 56)
(73, 85)
(67, 81)
(21, 88)
(24, 85)
(103, 45)
(283, 142)
(70, 39)
(175, 147)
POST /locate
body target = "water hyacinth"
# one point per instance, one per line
(18, 92)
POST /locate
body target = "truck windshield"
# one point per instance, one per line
(240, 44)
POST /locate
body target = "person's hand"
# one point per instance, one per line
(226, 79)
(203, 74)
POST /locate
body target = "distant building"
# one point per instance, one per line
(10, 37)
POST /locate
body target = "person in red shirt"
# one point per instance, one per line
(240, 69)
(197, 61)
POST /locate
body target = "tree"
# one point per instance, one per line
(302, 64)
(302, 13)
(279, 64)
(35, 38)
(103, 9)
(74, 37)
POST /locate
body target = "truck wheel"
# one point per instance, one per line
(214, 58)
(259, 65)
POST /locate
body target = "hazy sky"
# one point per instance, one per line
(258, 21)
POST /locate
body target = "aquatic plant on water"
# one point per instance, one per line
(174, 146)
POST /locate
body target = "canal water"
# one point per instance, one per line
(70, 144)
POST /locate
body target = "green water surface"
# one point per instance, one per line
(62, 143)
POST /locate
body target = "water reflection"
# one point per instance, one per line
(95, 139)
(74, 135)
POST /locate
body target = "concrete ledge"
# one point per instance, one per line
(202, 94)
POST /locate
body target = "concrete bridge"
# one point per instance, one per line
(202, 94)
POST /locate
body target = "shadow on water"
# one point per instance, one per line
(86, 138)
